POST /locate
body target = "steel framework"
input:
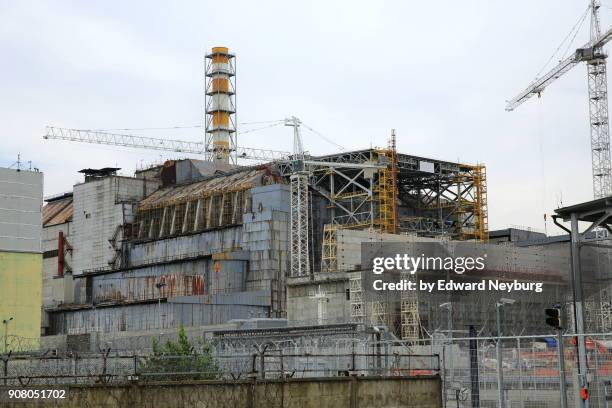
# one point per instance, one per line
(300, 256)
(409, 312)
(433, 197)
(329, 254)
(357, 304)
(387, 189)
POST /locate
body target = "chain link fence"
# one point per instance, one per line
(531, 370)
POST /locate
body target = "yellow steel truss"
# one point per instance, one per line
(386, 190)
(481, 213)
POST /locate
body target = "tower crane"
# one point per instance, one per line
(140, 142)
(593, 55)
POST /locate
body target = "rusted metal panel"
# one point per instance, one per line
(182, 193)
(57, 212)
(141, 288)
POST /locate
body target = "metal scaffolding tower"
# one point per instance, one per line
(387, 189)
(480, 204)
(329, 253)
(300, 259)
(357, 305)
(409, 310)
(379, 312)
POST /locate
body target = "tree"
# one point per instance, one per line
(181, 360)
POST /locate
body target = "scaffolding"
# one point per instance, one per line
(387, 189)
(379, 312)
(472, 209)
(329, 253)
(480, 204)
(409, 311)
(300, 257)
(432, 198)
(356, 294)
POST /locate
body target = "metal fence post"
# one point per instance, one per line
(562, 383)
(5, 360)
(520, 370)
(475, 385)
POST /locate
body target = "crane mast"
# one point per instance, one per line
(598, 111)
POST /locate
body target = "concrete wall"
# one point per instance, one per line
(20, 210)
(20, 299)
(334, 306)
(205, 243)
(20, 258)
(266, 238)
(334, 392)
(100, 207)
(148, 316)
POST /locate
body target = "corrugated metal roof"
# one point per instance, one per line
(181, 193)
(57, 212)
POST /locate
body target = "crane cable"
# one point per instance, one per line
(322, 136)
(270, 124)
(574, 30)
(260, 128)
(145, 128)
(175, 127)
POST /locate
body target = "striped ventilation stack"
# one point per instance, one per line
(220, 105)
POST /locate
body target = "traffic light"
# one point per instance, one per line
(553, 317)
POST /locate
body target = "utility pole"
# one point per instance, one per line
(562, 383)
(553, 319)
(5, 322)
(500, 368)
(449, 307)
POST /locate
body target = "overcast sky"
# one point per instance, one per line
(438, 72)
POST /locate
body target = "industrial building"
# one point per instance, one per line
(20, 258)
(203, 243)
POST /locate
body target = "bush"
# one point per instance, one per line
(180, 360)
